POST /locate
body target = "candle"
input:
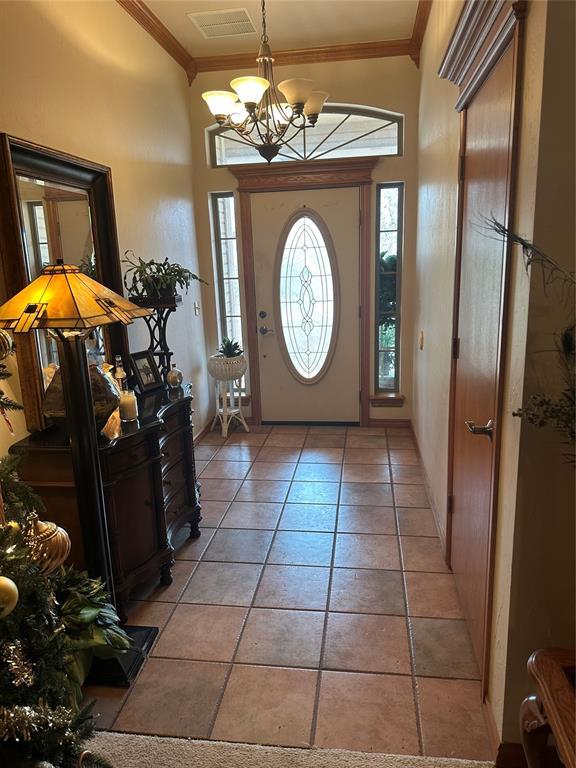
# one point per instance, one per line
(128, 405)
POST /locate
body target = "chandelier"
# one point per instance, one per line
(255, 111)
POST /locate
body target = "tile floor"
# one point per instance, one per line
(316, 608)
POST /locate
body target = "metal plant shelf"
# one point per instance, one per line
(163, 307)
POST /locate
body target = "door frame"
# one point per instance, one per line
(483, 32)
(306, 175)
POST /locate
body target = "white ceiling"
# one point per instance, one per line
(292, 23)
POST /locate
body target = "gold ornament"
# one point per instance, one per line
(21, 670)
(6, 344)
(48, 543)
(20, 723)
(8, 596)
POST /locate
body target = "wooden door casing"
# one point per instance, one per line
(486, 188)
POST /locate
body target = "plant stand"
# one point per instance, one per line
(157, 322)
(228, 406)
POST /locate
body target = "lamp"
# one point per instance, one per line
(70, 304)
(261, 118)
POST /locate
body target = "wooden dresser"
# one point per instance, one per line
(150, 488)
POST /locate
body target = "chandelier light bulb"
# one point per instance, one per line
(250, 89)
(296, 90)
(220, 103)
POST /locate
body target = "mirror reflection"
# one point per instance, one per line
(56, 225)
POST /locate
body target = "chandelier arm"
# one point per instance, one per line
(350, 141)
(340, 124)
(298, 155)
(244, 141)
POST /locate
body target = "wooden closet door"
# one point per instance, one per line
(485, 190)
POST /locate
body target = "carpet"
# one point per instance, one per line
(130, 751)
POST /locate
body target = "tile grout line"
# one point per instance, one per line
(408, 625)
(315, 710)
(244, 623)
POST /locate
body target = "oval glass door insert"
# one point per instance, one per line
(308, 293)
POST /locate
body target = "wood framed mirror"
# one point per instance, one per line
(54, 205)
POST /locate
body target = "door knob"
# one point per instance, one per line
(264, 330)
(487, 429)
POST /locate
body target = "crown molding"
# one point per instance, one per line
(152, 24)
(345, 52)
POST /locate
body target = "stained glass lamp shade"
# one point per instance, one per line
(65, 299)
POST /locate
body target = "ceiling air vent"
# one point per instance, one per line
(228, 23)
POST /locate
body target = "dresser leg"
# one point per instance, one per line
(195, 529)
(166, 575)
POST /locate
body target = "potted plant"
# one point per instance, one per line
(229, 363)
(155, 280)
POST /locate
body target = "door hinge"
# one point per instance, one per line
(450, 505)
(461, 166)
(456, 348)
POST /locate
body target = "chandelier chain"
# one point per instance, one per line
(264, 36)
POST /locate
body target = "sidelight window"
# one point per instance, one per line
(226, 259)
(389, 224)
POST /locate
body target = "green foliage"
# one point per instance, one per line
(57, 619)
(387, 291)
(6, 403)
(230, 348)
(155, 279)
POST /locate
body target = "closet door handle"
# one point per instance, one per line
(487, 429)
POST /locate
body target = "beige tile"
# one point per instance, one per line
(451, 719)
(267, 705)
(173, 698)
(401, 456)
(223, 584)
(201, 633)
(377, 431)
(402, 442)
(366, 473)
(237, 453)
(367, 643)
(235, 470)
(285, 440)
(239, 546)
(107, 704)
(359, 550)
(148, 613)
(269, 470)
(403, 473)
(313, 493)
(432, 595)
(367, 713)
(181, 572)
(212, 513)
(219, 490)
(411, 496)
(367, 591)
(212, 438)
(399, 431)
(308, 517)
(318, 472)
(366, 441)
(289, 429)
(366, 456)
(186, 548)
(245, 438)
(279, 454)
(320, 430)
(252, 514)
(282, 638)
(297, 548)
(204, 452)
(442, 648)
(200, 465)
(371, 494)
(292, 586)
(416, 522)
(322, 455)
(263, 490)
(422, 554)
(355, 519)
(325, 441)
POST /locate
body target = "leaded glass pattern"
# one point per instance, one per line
(307, 298)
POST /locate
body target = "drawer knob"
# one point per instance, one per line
(168, 482)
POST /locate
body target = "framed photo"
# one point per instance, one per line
(146, 371)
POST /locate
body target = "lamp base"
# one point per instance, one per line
(120, 671)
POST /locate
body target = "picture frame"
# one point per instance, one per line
(146, 371)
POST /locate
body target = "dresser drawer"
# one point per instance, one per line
(125, 457)
(173, 449)
(179, 418)
(174, 479)
(175, 504)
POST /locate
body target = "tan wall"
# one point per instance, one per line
(438, 145)
(84, 78)
(386, 83)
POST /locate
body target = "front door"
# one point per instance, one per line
(486, 193)
(306, 274)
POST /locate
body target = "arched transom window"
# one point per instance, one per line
(341, 131)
